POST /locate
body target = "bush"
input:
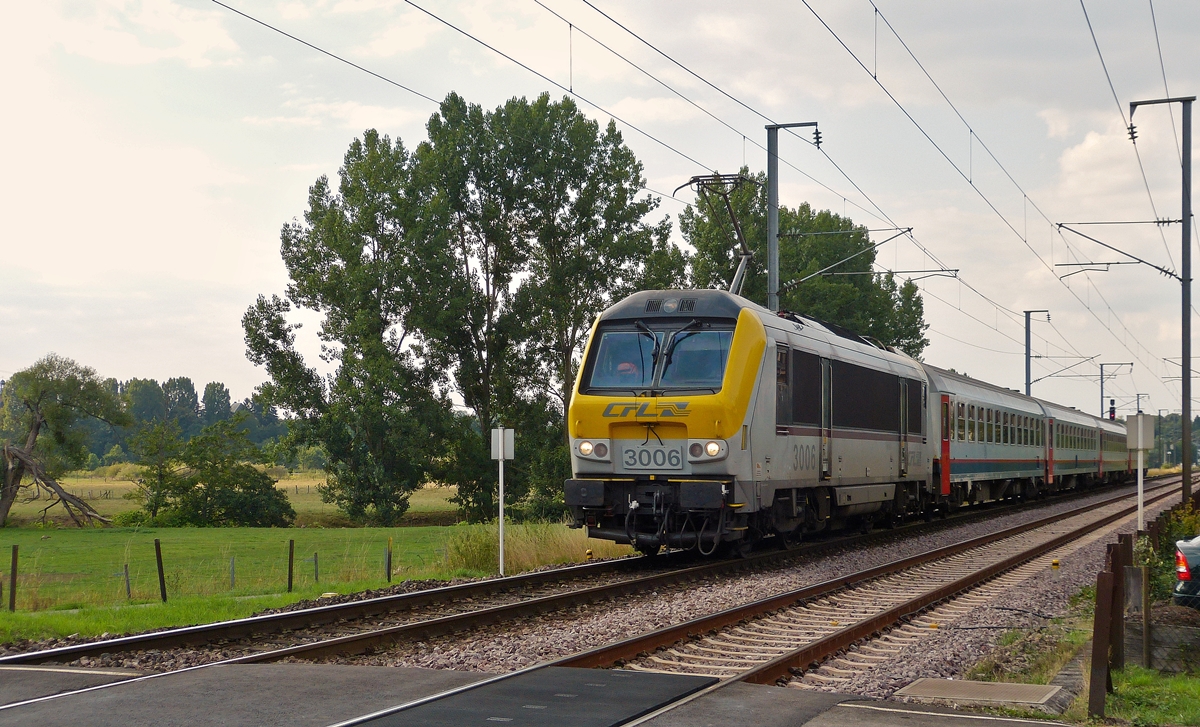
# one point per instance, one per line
(92, 462)
(130, 519)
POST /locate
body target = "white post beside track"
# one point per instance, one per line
(502, 449)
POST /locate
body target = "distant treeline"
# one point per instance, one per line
(176, 400)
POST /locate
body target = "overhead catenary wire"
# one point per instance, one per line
(1126, 121)
(987, 201)
(879, 212)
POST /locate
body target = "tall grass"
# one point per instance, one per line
(527, 546)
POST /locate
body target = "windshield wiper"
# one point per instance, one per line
(645, 331)
(675, 339)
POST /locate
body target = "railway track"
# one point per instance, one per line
(367, 625)
(829, 631)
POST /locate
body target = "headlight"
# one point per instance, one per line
(713, 449)
(601, 449)
(585, 448)
(695, 450)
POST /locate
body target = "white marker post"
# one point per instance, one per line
(1140, 430)
(502, 449)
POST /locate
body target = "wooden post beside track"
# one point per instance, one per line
(162, 578)
(291, 562)
(12, 582)
(1101, 633)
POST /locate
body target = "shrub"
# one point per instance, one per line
(130, 519)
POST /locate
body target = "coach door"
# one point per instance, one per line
(826, 418)
(903, 427)
(945, 454)
(1050, 451)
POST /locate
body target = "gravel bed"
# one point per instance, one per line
(510, 646)
(954, 650)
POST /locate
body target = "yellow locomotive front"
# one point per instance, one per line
(659, 420)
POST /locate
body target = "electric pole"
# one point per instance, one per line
(773, 206)
(1185, 278)
(1028, 375)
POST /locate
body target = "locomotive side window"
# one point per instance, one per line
(783, 386)
(806, 388)
(864, 398)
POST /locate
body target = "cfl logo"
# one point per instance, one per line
(620, 409)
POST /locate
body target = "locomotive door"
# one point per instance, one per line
(903, 427)
(826, 418)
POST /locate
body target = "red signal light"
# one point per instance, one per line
(1182, 571)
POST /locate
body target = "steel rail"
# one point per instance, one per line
(621, 651)
(225, 631)
(616, 653)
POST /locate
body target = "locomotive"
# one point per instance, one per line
(702, 420)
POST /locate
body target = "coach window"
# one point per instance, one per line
(962, 422)
(1040, 431)
(971, 423)
(988, 426)
(979, 424)
(1025, 431)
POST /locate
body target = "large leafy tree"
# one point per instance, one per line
(872, 304)
(183, 406)
(541, 221)
(44, 410)
(217, 403)
(352, 260)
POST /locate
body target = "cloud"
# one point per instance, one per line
(317, 113)
(659, 109)
(403, 34)
(130, 32)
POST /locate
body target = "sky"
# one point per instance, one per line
(153, 150)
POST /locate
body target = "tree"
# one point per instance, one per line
(587, 243)
(378, 417)
(222, 486)
(183, 406)
(871, 304)
(541, 226)
(217, 406)
(157, 446)
(43, 409)
(147, 403)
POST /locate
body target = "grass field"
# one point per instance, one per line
(71, 580)
(108, 491)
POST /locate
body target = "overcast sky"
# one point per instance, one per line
(153, 149)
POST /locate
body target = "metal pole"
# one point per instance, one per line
(1101, 391)
(1186, 275)
(1141, 490)
(773, 217)
(502, 501)
(1028, 353)
(1028, 375)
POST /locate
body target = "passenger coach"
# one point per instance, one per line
(700, 419)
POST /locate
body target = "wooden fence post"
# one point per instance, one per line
(388, 561)
(1101, 632)
(162, 578)
(291, 562)
(1116, 639)
(12, 581)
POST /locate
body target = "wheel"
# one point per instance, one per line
(648, 549)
